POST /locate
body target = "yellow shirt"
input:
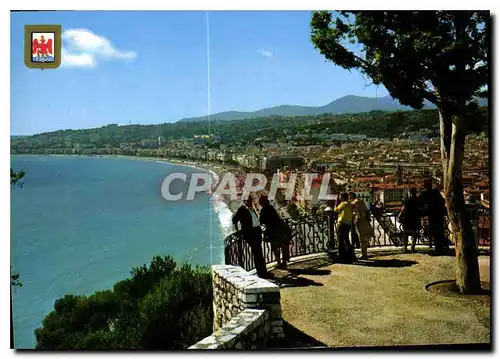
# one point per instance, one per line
(345, 210)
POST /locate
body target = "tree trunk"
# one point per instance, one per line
(452, 147)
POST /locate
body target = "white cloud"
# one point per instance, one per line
(77, 60)
(265, 53)
(83, 48)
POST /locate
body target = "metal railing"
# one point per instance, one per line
(309, 235)
(480, 225)
(312, 235)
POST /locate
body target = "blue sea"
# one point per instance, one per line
(79, 224)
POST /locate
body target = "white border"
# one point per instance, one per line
(156, 5)
(249, 5)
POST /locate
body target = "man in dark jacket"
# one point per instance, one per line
(410, 218)
(434, 206)
(252, 234)
(276, 232)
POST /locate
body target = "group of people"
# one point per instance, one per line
(266, 225)
(353, 219)
(429, 204)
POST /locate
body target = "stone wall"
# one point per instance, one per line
(238, 298)
(248, 330)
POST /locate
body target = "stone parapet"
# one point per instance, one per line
(248, 330)
(237, 298)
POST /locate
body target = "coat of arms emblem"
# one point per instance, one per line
(42, 46)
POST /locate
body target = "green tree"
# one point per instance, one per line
(164, 311)
(15, 180)
(161, 306)
(16, 177)
(14, 280)
(438, 56)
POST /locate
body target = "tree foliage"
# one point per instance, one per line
(439, 56)
(14, 280)
(15, 180)
(161, 306)
(16, 177)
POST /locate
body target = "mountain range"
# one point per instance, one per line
(346, 104)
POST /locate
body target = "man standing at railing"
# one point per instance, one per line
(276, 232)
(434, 206)
(409, 217)
(252, 234)
(346, 211)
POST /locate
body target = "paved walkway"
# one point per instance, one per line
(382, 301)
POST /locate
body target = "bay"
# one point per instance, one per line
(79, 224)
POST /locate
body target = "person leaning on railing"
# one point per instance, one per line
(275, 231)
(252, 234)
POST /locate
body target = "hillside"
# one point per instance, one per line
(346, 104)
(128, 140)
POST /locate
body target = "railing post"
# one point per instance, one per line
(239, 244)
(430, 233)
(332, 242)
(227, 255)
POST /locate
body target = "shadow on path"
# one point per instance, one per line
(291, 277)
(290, 281)
(309, 271)
(295, 338)
(384, 263)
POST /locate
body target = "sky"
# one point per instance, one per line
(145, 67)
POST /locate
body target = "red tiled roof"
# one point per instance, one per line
(362, 179)
(394, 186)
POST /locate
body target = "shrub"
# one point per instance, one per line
(159, 307)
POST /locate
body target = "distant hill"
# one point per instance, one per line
(346, 104)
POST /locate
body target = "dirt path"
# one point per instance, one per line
(382, 302)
